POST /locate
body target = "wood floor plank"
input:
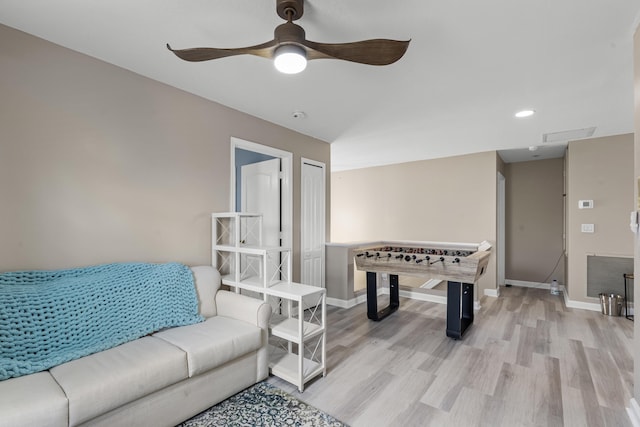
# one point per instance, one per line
(493, 413)
(587, 389)
(417, 414)
(613, 418)
(606, 379)
(573, 412)
(552, 374)
(527, 360)
(542, 343)
(370, 388)
(515, 388)
(382, 410)
(526, 345)
(468, 408)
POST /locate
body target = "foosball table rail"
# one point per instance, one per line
(431, 263)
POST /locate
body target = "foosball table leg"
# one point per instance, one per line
(372, 296)
(459, 308)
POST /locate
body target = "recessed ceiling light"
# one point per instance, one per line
(525, 113)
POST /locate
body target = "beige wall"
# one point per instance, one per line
(98, 164)
(451, 199)
(599, 169)
(534, 221)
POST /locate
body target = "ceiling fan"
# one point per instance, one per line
(290, 49)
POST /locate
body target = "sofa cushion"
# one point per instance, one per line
(32, 400)
(104, 381)
(213, 342)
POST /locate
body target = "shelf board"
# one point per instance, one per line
(285, 365)
(252, 283)
(235, 215)
(277, 288)
(250, 249)
(294, 291)
(287, 328)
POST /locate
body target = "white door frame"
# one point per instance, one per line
(286, 194)
(501, 223)
(321, 165)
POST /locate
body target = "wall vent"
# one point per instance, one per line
(605, 275)
(568, 135)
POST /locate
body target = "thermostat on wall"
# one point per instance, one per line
(585, 204)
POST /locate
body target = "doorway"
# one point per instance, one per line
(265, 187)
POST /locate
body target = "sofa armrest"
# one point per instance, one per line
(244, 308)
(207, 281)
(253, 311)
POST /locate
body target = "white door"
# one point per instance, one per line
(312, 224)
(260, 193)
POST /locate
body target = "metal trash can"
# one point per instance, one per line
(611, 304)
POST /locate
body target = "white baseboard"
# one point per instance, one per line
(431, 283)
(336, 302)
(633, 411)
(417, 295)
(492, 293)
(525, 284)
(439, 299)
(593, 306)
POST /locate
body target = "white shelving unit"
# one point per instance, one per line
(239, 256)
(298, 335)
(299, 355)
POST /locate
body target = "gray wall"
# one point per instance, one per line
(98, 164)
(598, 169)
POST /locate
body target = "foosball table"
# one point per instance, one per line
(460, 264)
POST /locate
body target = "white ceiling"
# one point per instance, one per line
(470, 66)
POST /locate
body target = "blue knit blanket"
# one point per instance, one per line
(51, 317)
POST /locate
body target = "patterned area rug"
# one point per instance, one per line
(262, 405)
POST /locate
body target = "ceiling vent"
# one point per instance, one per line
(568, 135)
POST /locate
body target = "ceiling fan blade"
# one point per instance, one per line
(371, 52)
(197, 54)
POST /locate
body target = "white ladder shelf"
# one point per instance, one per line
(243, 263)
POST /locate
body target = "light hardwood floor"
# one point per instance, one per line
(526, 361)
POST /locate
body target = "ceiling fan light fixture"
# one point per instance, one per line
(290, 59)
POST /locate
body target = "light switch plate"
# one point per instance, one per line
(588, 228)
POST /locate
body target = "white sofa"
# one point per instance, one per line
(158, 380)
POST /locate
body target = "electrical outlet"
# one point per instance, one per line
(588, 228)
